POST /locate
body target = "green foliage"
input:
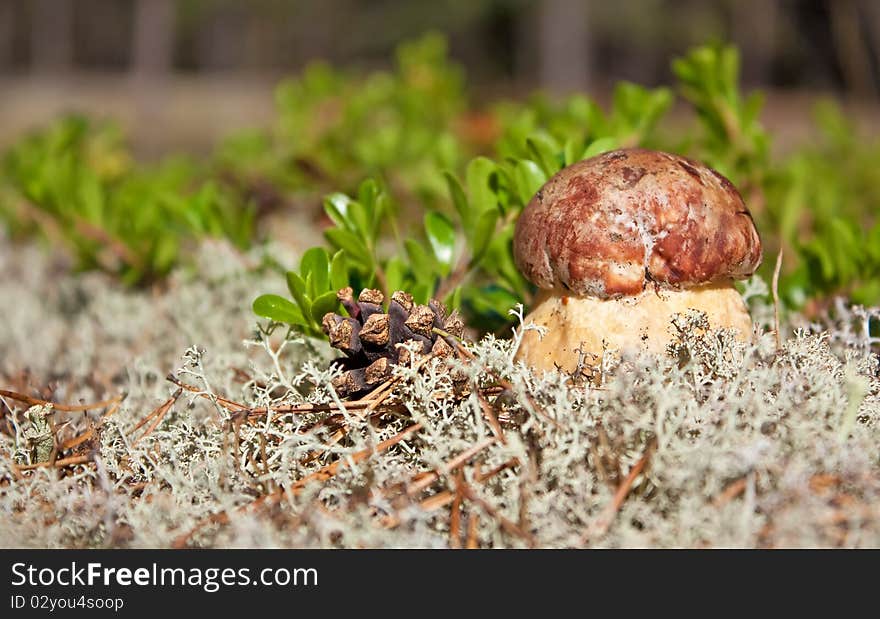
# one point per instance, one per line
(825, 207)
(75, 184)
(573, 124)
(335, 128)
(425, 219)
(313, 288)
(731, 137)
(818, 202)
(463, 257)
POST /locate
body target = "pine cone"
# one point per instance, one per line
(371, 338)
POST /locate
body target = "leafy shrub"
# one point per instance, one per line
(824, 206)
(818, 202)
(336, 127)
(74, 183)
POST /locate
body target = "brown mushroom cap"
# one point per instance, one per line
(609, 225)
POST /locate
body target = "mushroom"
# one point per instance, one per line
(619, 243)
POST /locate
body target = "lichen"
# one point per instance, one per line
(741, 445)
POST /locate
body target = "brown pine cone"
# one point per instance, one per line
(371, 337)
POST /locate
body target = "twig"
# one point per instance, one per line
(224, 402)
(473, 523)
(458, 275)
(67, 408)
(506, 524)
(491, 418)
(158, 415)
(449, 466)
(432, 503)
(441, 499)
(506, 384)
(481, 477)
(732, 491)
(775, 290)
(76, 441)
(603, 523)
(328, 471)
(455, 515)
(57, 463)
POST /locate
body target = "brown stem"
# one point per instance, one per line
(458, 275)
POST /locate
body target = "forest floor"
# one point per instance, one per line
(718, 444)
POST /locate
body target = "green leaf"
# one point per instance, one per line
(374, 203)
(278, 308)
(528, 178)
(422, 292)
(316, 263)
(441, 236)
(479, 175)
(325, 303)
(423, 264)
(367, 193)
(352, 244)
(338, 271)
(483, 233)
(600, 146)
(459, 201)
(453, 299)
(546, 152)
(395, 275)
(92, 198)
(297, 288)
(492, 300)
(574, 148)
(336, 205)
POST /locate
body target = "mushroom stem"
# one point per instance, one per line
(591, 326)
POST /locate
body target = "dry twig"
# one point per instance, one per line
(603, 522)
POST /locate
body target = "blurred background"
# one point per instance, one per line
(180, 74)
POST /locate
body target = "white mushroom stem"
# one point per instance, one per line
(642, 322)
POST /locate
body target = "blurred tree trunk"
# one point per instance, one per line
(564, 46)
(754, 32)
(153, 45)
(7, 34)
(871, 9)
(51, 35)
(315, 27)
(851, 46)
(152, 58)
(220, 38)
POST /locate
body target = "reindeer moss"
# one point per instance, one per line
(742, 445)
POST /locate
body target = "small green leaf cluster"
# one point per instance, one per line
(74, 184)
(313, 288)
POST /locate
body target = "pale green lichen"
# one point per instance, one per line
(35, 440)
